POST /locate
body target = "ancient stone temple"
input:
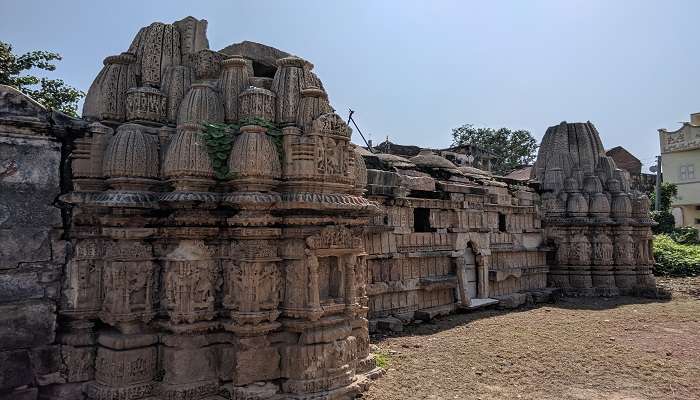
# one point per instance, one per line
(193, 274)
(208, 231)
(600, 230)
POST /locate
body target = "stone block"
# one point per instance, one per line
(46, 364)
(20, 245)
(513, 300)
(185, 365)
(19, 286)
(22, 394)
(27, 324)
(390, 324)
(255, 391)
(78, 363)
(256, 365)
(16, 369)
(30, 206)
(66, 391)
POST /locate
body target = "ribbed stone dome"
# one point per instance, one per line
(187, 155)
(176, 82)
(621, 206)
(201, 104)
(254, 160)
(255, 102)
(576, 205)
(131, 153)
(599, 205)
(105, 100)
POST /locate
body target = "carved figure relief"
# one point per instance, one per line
(580, 250)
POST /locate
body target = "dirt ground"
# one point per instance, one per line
(578, 348)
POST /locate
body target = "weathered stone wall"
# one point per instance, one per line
(449, 238)
(32, 252)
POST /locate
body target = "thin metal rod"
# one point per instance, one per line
(358, 130)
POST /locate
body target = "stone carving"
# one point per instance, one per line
(287, 84)
(176, 83)
(187, 163)
(190, 282)
(157, 47)
(145, 105)
(233, 81)
(206, 64)
(201, 104)
(131, 153)
(105, 100)
(256, 102)
(254, 160)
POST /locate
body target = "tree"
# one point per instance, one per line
(666, 223)
(51, 93)
(510, 148)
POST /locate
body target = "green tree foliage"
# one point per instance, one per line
(52, 93)
(510, 148)
(669, 191)
(666, 223)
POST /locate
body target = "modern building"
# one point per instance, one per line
(680, 163)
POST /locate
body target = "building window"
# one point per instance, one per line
(501, 222)
(687, 172)
(421, 220)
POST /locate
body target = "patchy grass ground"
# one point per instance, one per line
(579, 348)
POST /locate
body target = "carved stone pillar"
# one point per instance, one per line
(625, 276)
(287, 84)
(129, 285)
(190, 278)
(602, 275)
(233, 81)
(580, 261)
(252, 287)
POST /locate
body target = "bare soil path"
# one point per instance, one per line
(578, 348)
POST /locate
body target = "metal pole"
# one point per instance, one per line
(358, 130)
(657, 203)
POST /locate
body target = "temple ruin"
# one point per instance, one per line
(207, 230)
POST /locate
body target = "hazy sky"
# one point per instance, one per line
(415, 69)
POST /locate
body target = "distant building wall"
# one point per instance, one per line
(680, 163)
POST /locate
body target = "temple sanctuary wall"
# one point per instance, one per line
(449, 237)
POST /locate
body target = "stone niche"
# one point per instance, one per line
(186, 284)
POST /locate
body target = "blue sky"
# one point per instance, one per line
(413, 70)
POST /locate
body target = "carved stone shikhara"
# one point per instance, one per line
(202, 286)
(163, 278)
(600, 228)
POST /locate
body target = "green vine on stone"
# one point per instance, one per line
(219, 141)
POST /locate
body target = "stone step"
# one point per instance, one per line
(480, 303)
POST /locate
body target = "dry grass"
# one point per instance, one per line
(579, 348)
